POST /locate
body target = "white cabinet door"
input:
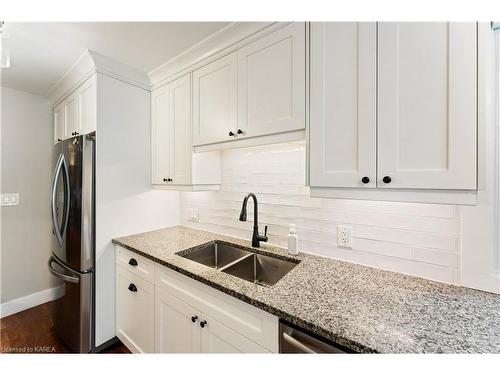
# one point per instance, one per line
(177, 327)
(427, 105)
(160, 136)
(87, 104)
(71, 116)
(134, 312)
(59, 123)
(171, 133)
(271, 83)
(343, 104)
(215, 101)
(217, 338)
(180, 130)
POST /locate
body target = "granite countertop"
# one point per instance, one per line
(362, 308)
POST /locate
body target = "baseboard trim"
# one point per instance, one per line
(32, 300)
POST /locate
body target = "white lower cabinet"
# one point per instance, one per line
(194, 318)
(176, 325)
(134, 311)
(176, 314)
(217, 338)
(180, 328)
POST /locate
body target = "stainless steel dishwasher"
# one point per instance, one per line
(297, 340)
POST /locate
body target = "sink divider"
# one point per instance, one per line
(233, 262)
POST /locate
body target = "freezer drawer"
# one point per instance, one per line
(73, 310)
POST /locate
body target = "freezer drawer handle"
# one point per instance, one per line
(132, 288)
(70, 279)
(132, 262)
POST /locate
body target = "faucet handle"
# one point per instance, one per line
(264, 237)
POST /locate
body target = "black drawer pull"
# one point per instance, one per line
(387, 179)
(203, 323)
(132, 262)
(365, 180)
(132, 288)
(194, 318)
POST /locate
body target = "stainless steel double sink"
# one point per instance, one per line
(259, 269)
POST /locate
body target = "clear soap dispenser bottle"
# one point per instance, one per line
(293, 241)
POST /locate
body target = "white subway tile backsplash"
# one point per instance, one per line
(416, 239)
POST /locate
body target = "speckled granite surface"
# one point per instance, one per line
(362, 308)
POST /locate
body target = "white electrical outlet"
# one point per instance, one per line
(193, 215)
(344, 236)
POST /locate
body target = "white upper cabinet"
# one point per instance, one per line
(161, 141)
(87, 106)
(71, 116)
(393, 108)
(180, 133)
(172, 160)
(271, 83)
(343, 104)
(77, 114)
(427, 105)
(215, 101)
(171, 132)
(59, 123)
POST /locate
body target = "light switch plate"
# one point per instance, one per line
(10, 199)
(344, 236)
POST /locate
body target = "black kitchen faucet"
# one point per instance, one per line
(256, 237)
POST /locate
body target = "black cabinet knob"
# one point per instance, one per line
(203, 323)
(132, 262)
(170, 180)
(167, 180)
(231, 134)
(132, 288)
(387, 179)
(365, 180)
(59, 139)
(76, 133)
(239, 131)
(194, 318)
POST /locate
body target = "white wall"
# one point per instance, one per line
(416, 239)
(26, 162)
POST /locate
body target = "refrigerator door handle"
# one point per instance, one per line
(68, 278)
(61, 165)
(66, 195)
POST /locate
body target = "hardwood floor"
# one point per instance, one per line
(32, 331)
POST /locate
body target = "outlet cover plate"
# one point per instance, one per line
(193, 215)
(10, 199)
(344, 236)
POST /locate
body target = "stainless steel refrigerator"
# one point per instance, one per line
(72, 206)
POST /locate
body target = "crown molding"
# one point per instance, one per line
(224, 41)
(88, 64)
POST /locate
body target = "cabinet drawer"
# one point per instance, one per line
(134, 311)
(251, 322)
(135, 263)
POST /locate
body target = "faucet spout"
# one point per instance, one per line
(256, 237)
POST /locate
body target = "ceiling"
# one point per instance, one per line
(41, 52)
